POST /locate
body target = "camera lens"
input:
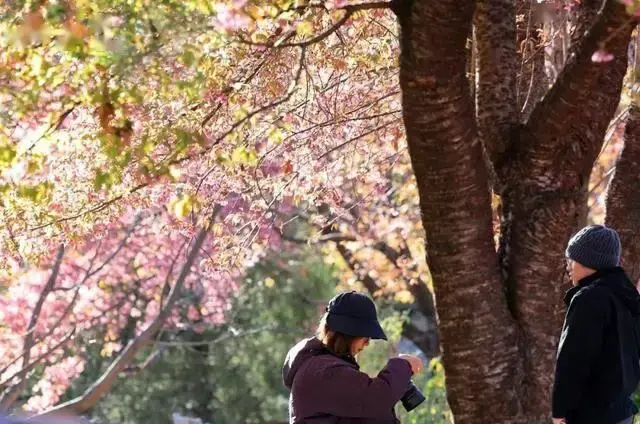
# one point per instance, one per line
(412, 398)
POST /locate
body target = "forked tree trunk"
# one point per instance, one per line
(500, 317)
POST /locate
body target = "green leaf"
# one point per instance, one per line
(36, 193)
(101, 180)
(188, 57)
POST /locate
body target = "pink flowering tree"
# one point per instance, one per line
(272, 112)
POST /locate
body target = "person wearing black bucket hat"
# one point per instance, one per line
(324, 379)
(354, 314)
(597, 365)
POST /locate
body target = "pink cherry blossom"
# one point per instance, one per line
(602, 56)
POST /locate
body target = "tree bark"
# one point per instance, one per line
(623, 199)
(496, 70)
(506, 375)
(477, 333)
(546, 196)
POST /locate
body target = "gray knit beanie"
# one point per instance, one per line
(595, 247)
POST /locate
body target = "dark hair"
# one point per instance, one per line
(336, 342)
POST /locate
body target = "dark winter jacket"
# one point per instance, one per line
(597, 366)
(327, 389)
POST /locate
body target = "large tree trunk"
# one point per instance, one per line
(499, 330)
(477, 332)
(546, 195)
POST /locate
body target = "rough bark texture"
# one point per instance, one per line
(623, 200)
(496, 69)
(546, 198)
(499, 335)
(477, 333)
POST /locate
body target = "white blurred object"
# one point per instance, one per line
(407, 346)
(180, 419)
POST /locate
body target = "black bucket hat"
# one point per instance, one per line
(354, 314)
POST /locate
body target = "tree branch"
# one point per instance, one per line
(31, 365)
(360, 272)
(496, 71)
(99, 207)
(93, 394)
(567, 127)
(348, 12)
(230, 335)
(8, 399)
(532, 79)
(336, 237)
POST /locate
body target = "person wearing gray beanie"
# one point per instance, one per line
(596, 247)
(598, 360)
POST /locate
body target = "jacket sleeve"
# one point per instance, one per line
(346, 392)
(580, 344)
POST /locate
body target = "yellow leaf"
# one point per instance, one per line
(184, 206)
(403, 296)
(304, 28)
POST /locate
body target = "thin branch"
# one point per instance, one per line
(93, 394)
(335, 237)
(54, 126)
(349, 11)
(31, 365)
(9, 398)
(230, 335)
(316, 39)
(345, 143)
(230, 88)
(97, 208)
(251, 114)
(115, 253)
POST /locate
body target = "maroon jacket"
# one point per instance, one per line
(327, 389)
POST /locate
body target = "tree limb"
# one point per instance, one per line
(349, 10)
(93, 394)
(567, 127)
(360, 272)
(496, 70)
(532, 79)
(31, 365)
(8, 399)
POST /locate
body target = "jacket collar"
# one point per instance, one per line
(348, 358)
(589, 280)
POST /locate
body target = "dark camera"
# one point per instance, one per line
(412, 397)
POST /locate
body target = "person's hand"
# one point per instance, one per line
(559, 421)
(415, 362)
